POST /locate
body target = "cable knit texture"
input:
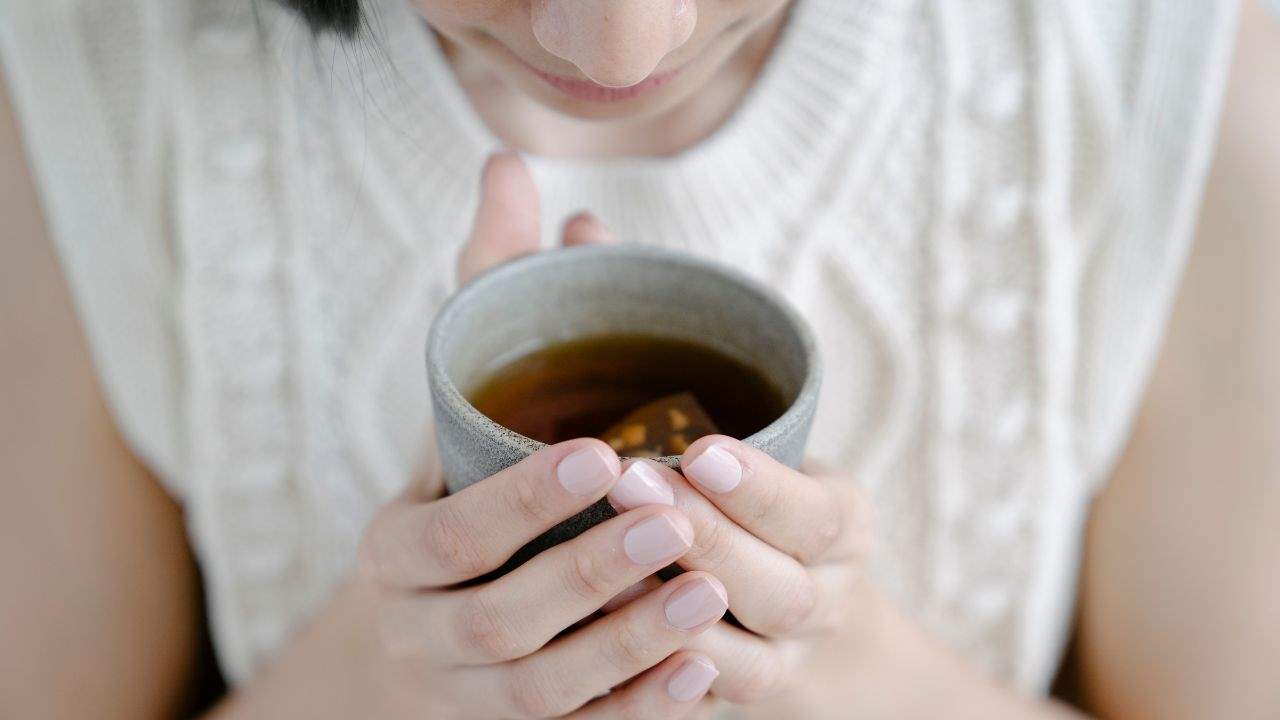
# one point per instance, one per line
(983, 207)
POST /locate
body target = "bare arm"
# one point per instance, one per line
(99, 600)
(1181, 583)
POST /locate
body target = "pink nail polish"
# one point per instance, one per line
(716, 469)
(584, 472)
(692, 680)
(656, 539)
(641, 485)
(698, 603)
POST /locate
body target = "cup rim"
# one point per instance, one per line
(449, 393)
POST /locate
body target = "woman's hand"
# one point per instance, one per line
(787, 546)
(491, 649)
(418, 631)
(817, 638)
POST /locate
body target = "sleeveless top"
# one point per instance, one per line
(982, 207)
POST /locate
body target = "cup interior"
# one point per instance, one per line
(587, 292)
(584, 292)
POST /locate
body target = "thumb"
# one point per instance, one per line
(507, 221)
(585, 229)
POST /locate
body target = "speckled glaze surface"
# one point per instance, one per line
(572, 293)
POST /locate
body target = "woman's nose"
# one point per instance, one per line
(616, 43)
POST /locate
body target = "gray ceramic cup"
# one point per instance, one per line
(581, 292)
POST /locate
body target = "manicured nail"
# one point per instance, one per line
(584, 472)
(641, 485)
(716, 469)
(656, 538)
(698, 603)
(692, 680)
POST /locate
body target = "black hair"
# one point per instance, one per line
(340, 16)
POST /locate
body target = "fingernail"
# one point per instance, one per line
(696, 604)
(692, 680)
(641, 485)
(584, 472)
(654, 539)
(716, 469)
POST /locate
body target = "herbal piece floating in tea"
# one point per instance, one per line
(665, 426)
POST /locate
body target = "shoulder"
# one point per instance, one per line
(1139, 98)
(78, 77)
(1128, 34)
(84, 78)
(1127, 59)
(1188, 522)
(1145, 77)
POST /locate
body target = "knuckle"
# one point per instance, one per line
(588, 578)
(530, 503)
(370, 563)
(822, 535)
(635, 706)
(770, 498)
(391, 636)
(792, 604)
(629, 649)
(535, 695)
(450, 544)
(796, 605)
(483, 631)
(761, 677)
(712, 545)
(802, 602)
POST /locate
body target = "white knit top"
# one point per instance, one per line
(982, 206)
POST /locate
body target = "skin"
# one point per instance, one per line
(101, 588)
(1176, 602)
(720, 46)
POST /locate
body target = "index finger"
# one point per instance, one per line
(463, 536)
(795, 513)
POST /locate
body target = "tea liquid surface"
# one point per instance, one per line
(581, 388)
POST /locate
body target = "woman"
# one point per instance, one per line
(983, 209)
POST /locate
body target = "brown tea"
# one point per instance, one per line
(583, 388)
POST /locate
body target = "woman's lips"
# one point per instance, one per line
(592, 92)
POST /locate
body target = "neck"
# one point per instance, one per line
(524, 124)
